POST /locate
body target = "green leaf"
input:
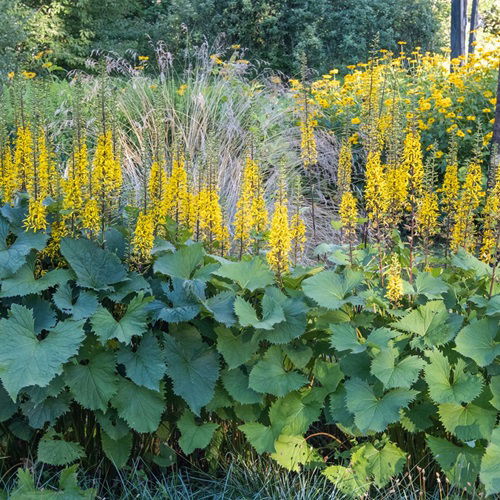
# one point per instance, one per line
(194, 437)
(430, 286)
(236, 350)
(294, 414)
(55, 451)
(495, 391)
(236, 383)
(381, 464)
(477, 341)
(468, 262)
(249, 274)
(469, 422)
(347, 481)
(459, 463)
(141, 408)
(429, 321)
(332, 290)
(144, 365)
(328, 374)
(299, 353)
(394, 373)
(372, 412)
(117, 451)
(46, 411)
(445, 387)
(25, 360)
(193, 367)
(222, 307)
(292, 452)
(7, 406)
(272, 313)
(13, 256)
(260, 436)
(93, 382)
(82, 308)
(133, 322)
(24, 282)
(345, 338)
(94, 267)
(490, 472)
(269, 376)
(293, 326)
(182, 263)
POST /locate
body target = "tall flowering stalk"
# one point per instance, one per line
(464, 232)
(491, 223)
(106, 177)
(376, 198)
(349, 218)
(251, 214)
(412, 165)
(297, 224)
(394, 282)
(37, 184)
(8, 175)
(178, 190)
(280, 241)
(427, 214)
(449, 191)
(344, 169)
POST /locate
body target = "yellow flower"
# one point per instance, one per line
(143, 58)
(143, 239)
(376, 193)
(178, 193)
(280, 241)
(11, 75)
(251, 213)
(356, 120)
(37, 216)
(91, 219)
(348, 215)
(158, 191)
(344, 167)
(394, 282)
(28, 74)
(182, 89)
(298, 236)
(463, 233)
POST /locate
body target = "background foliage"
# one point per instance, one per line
(276, 32)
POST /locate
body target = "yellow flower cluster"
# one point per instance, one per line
(298, 236)
(344, 171)
(394, 290)
(471, 194)
(376, 193)
(143, 239)
(280, 240)
(348, 215)
(491, 222)
(251, 214)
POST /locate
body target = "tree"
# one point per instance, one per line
(473, 25)
(458, 27)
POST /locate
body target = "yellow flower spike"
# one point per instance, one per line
(280, 240)
(178, 191)
(413, 165)
(463, 232)
(37, 216)
(344, 170)
(298, 236)
(376, 192)
(23, 156)
(158, 192)
(348, 216)
(143, 239)
(8, 179)
(91, 219)
(251, 213)
(394, 282)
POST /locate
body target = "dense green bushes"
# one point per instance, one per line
(96, 358)
(276, 32)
